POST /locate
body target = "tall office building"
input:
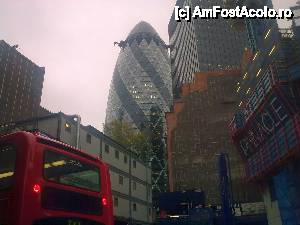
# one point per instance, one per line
(141, 77)
(203, 45)
(140, 88)
(21, 83)
(255, 28)
(296, 20)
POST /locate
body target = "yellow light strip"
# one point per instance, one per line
(59, 163)
(267, 35)
(255, 56)
(248, 90)
(258, 73)
(272, 50)
(8, 174)
(241, 104)
(238, 90)
(245, 76)
(47, 165)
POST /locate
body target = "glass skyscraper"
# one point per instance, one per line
(141, 78)
(141, 93)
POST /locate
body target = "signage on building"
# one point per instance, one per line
(273, 114)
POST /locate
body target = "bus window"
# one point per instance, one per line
(66, 170)
(7, 166)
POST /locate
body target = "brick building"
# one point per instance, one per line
(21, 83)
(198, 131)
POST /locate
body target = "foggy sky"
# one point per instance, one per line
(73, 40)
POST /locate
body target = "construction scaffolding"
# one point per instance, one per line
(158, 155)
(265, 149)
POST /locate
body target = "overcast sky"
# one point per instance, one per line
(73, 40)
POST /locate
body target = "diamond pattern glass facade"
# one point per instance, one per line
(141, 82)
(141, 78)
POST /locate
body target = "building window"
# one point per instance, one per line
(116, 154)
(134, 164)
(134, 185)
(125, 158)
(150, 211)
(116, 202)
(134, 207)
(106, 148)
(121, 180)
(68, 127)
(89, 138)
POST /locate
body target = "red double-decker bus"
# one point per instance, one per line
(47, 182)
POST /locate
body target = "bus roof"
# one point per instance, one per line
(47, 140)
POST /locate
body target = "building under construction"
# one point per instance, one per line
(266, 128)
(198, 132)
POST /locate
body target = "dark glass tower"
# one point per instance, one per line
(203, 45)
(141, 92)
(256, 28)
(296, 20)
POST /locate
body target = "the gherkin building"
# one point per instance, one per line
(141, 91)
